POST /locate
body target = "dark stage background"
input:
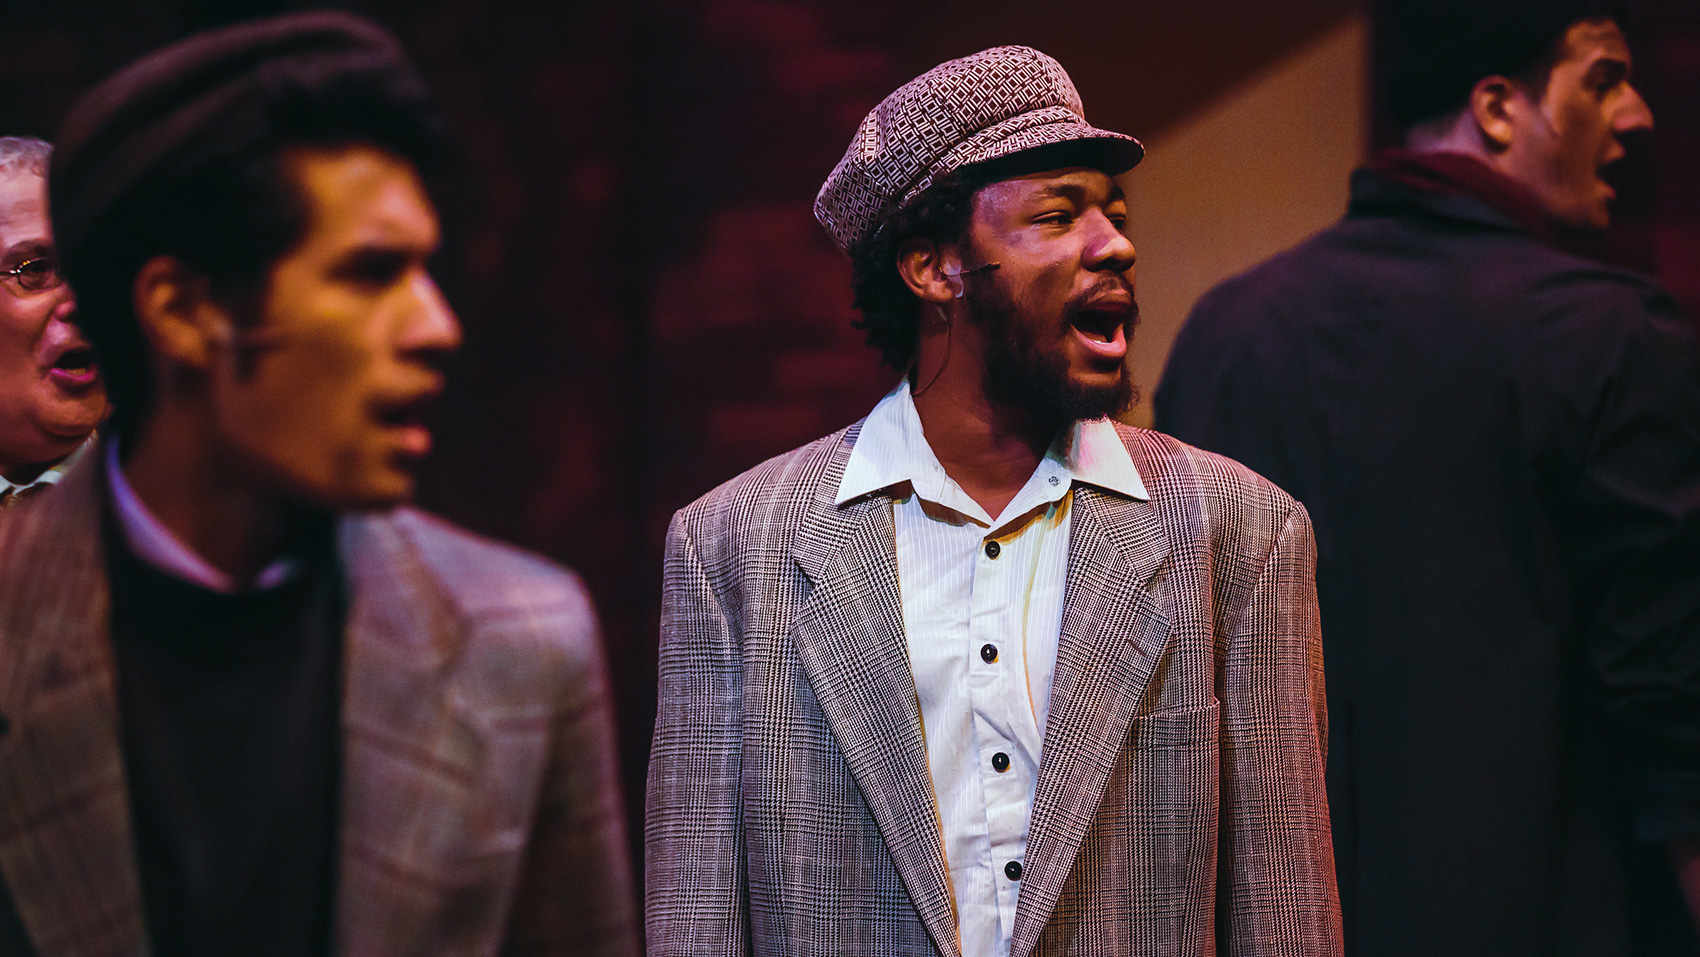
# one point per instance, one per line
(649, 306)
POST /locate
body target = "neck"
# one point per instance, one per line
(23, 474)
(193, 489)
(987, 448)
(1461, 137)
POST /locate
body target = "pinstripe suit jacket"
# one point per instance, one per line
(479, 809)
(1180, 805)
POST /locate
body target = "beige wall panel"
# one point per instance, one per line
(1248, 175)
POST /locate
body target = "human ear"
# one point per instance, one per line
(932, 272)
(1495, 103)
(184, 326)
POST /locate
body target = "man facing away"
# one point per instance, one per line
(1500, 443)
(251, 706)
(986, 673)
(51, 397)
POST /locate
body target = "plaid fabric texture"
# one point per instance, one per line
(1180, 805)
(479, 812)
(980, 107)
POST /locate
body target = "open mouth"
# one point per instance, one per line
(1102, 327)
(407, 421)
(75, 367)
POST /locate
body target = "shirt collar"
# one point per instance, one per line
(51, 475)
(151, 541)
(892, 450)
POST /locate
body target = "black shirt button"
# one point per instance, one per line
(1012, 870)
(988, 653)
(1000, 762)
(992, 549)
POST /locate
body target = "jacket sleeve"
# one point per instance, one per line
(695, 891)
(1636, 548)
(575, 895)
(1277, 893)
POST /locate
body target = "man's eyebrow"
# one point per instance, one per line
(379, 255)
(383, 246)
(1060, 191)
(1076, 192)
(1608, 68)
(27, 249)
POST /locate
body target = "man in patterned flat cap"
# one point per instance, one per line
(987, 673)
(1500, 442)
(249, 705)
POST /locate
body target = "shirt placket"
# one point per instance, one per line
(996, 687)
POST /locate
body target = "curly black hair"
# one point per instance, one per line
(891, 315)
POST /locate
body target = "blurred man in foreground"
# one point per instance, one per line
(1500, 443)
(252, 706)
(50, 394)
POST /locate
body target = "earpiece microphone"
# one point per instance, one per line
(957, 275)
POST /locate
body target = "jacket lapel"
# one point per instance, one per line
(849, 636)
(67, 852)
(1113, 634)
(406, 743)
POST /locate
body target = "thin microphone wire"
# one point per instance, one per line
(949, 338)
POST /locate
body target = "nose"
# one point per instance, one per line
(1633, 115)
(1110, 249)
(431, 325)
(65, 303)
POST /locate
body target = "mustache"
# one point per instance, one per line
(1107, 288)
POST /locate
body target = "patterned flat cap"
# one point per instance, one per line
(992, 104)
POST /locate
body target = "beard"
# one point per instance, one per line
(1026, 369)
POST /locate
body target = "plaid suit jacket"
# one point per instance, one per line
(1180, 805)
(479, 809)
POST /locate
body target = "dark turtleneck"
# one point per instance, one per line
(229, 707)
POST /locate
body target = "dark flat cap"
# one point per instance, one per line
(170, 111)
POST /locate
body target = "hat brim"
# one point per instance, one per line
(1052, 134)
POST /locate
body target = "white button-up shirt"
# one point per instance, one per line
(982, 612)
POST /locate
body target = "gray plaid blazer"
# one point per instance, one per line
(1180, 805)
(480, 811)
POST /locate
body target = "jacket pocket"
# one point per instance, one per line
(1180, 728)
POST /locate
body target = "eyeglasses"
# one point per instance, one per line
(34, 275)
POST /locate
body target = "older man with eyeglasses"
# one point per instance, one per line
(51, 397)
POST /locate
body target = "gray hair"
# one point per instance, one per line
(24, 153)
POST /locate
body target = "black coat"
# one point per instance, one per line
(1499, 444)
